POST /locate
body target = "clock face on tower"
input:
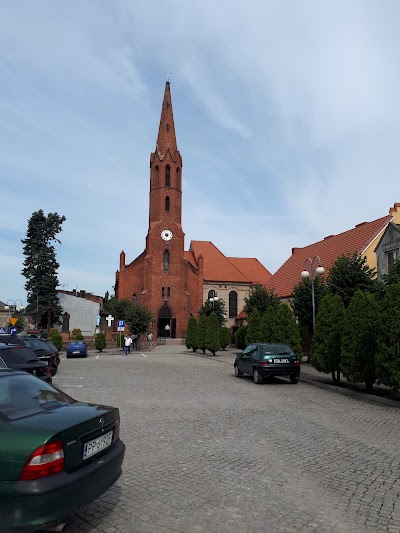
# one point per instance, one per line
(166, 234)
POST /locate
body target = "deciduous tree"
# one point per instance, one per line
(260, 298)
(349, 274)
(192, 340)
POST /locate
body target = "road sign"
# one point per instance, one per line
(2, 330)
(121, 325)
(13, 330)
(13, 321)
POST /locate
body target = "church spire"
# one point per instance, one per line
(166, 132)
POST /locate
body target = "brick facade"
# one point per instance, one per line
(161, 278)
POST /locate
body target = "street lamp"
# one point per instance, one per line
(306, 274)
(11, 307)
(213, 300)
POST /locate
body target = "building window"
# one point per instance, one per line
(391, 257)
(233, 307)
(163, 292)
(168, 292)
(166, 260)
(167, 176)
(167, 203)
(134, 298)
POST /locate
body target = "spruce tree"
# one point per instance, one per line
(269, 325)
(288, 330)
(359, 340)
(202, 333)
(41, 267)
(212, 337)
(253, 327)
(240, 337)
(388, 351)
(326, 344)
(191, 340)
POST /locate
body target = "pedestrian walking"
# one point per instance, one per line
(150, 339)
(127, 342)
(134, 341)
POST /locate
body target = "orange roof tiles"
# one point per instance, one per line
(251, 268)
(355, 240)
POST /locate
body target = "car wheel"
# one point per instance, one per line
(294, 379)
(68, 356)
(238, 373)
(257, 377)
(53, 371)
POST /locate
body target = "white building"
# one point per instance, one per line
(83, 310)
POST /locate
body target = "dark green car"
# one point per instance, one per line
(56, 454)
(263, 360)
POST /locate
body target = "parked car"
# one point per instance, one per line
(263, 360)
(77, 349)
(23, 358)
(54, 349)
(59, 454)
(42, 349)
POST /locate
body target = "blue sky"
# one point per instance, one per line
(286, 113)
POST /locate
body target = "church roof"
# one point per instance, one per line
(353, 241)
(166, 139)
(217, 267)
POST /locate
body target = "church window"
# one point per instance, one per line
(167, 203)
(178, 179)
(163, 292)
(167, 176)
(166, 260)
(168, 291)
(233, 307)
(134, 298)
(156, 176)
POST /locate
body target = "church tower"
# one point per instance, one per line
(162, 278)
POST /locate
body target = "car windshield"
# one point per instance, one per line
(37, 344)
(18, 355)
(24, 395)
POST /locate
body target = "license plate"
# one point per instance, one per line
(97, 445)
(77, 351)
(281, 360)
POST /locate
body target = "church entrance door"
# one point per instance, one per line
(165, 322)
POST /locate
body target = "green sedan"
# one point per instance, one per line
(56, 454)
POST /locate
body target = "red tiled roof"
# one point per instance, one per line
(251, 268)
(353, 241)
(190, 258)
(216, 266)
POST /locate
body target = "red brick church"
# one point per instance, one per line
(171, 282)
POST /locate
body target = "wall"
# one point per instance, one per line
(82, 312)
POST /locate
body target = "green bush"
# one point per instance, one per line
(212, 336)
(100, 341)
(191, 340)
(76, 335)
(224, 337)
(202, 332)
(121, 340)
(240, 337)
(55, 337)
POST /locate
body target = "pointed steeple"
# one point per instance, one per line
(166, 132)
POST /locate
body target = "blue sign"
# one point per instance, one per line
(2, 330)
(121, 323)
(98, 320)
(13, 330)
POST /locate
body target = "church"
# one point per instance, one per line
(170, 281)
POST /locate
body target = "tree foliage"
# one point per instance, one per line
(100, 341)
(212, 334)
(202, 332)
(260, 298)
(191, 340)
(359, 340)
(253, 327)
(388, 351)
(287, 329)
(393, 276)
(349, 274)
(269, 325)
(41, 268)
(138, 318)
(224, 337)
(217, 307)
(54, 335)
(326, 344)
(240, 337)
(76, 335)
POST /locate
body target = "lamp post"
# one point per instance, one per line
(167, 328)
(213, 300)
(11, 307)
(306, 274)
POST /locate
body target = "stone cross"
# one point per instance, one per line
(109, 319)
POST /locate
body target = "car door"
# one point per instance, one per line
(252, 358)
(246, 367)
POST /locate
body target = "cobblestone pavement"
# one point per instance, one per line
(207, 452)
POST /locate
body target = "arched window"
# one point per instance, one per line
(134, 298)
(167, 176)
(163, 292)
(166, 260)
(156, 176)
(178, 179)
(167, 203)
(168, 292)
(212, 294)
(233, 307)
